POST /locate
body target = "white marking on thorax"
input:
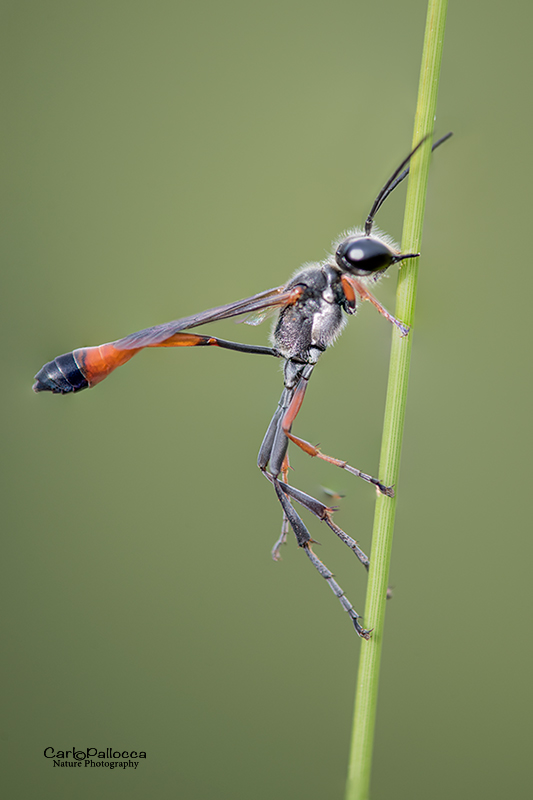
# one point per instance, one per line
(327, 321)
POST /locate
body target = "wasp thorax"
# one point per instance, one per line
(363, 255)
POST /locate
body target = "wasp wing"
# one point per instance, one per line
(160, 334)
(88, 366)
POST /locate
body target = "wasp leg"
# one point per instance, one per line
(304, 540)
(285, 522)
(364, 294)
(282, 539)
(323, 512)
(286, 424)
(338, 592)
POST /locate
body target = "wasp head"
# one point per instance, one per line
(367, 255)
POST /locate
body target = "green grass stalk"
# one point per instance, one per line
(360, 762)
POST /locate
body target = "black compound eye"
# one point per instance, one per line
(364, 255)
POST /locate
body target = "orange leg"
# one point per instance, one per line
(313, 451)
(364, 294)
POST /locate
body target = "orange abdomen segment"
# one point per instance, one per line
(96, 363)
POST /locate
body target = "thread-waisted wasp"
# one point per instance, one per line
(310, 318)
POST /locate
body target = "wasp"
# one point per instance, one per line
(312, 310)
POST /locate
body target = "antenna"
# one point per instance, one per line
(395, 179)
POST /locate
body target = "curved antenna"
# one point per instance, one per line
(395, 179)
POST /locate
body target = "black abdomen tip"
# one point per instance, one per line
(60, 376)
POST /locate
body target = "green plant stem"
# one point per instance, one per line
(358, 783)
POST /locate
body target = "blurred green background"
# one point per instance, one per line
(162, 158)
